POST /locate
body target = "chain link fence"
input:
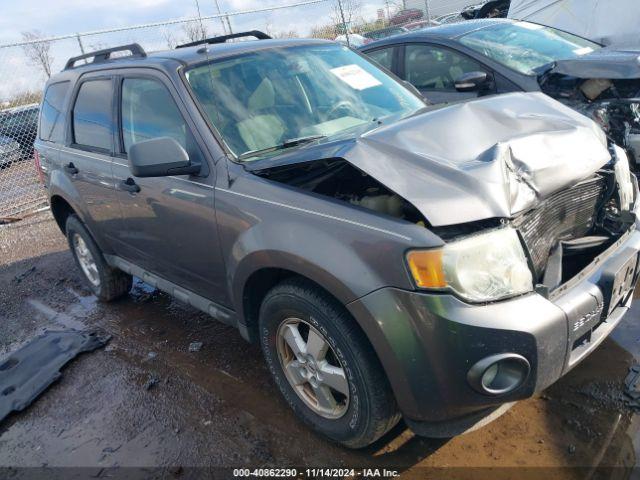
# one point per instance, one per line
(26, 65)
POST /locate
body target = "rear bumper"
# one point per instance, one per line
(427, 343)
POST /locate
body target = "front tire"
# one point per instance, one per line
(324, 366)
(105, 282)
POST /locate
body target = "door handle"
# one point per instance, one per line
(70, 168)
(129, 185)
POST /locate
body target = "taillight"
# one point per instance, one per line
(36, 161)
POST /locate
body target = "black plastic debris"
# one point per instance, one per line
(28, 372)
(632, 387)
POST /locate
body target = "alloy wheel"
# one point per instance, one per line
(86, 260)
(312, 368)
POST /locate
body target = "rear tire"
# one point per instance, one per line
(105, 282)
(367, 408)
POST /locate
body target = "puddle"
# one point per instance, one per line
(56, 318)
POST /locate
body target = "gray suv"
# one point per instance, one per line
(393, 259)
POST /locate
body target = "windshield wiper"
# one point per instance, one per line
(292, 142)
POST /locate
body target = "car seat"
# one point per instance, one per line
(263, 128)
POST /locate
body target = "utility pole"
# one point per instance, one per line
(427, 11)
(344, 24)
(224, 30)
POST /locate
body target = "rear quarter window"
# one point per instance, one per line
(52, 117)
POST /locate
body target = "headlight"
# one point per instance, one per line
(484, 267)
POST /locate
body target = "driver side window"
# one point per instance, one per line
(433, 68)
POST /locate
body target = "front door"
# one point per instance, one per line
(168, 224)
(434, 70)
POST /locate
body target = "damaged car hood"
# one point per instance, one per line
(492, 157)
(606, 63)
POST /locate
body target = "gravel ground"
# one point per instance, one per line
(147, 401)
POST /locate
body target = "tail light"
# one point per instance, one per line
(38, 165)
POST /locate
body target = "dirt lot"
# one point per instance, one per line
(218, 406)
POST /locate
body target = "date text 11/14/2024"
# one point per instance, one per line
(316, 472)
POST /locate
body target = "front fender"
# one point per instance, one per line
(349, 251)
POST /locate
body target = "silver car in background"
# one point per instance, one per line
(9, 151)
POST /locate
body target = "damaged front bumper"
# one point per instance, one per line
(430, 342)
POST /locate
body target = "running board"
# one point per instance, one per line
(220, 313)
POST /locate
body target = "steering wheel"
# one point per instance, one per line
(344, 105)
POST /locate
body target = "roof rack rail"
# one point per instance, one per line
(223, 38)
(104, 55)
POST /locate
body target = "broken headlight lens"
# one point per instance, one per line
(623, 178)
(485, 267)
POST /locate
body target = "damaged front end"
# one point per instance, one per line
(570, 229)
(604, 86)
(546, 174)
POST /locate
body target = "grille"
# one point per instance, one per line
(567, 214)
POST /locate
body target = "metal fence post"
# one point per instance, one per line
(427, 11)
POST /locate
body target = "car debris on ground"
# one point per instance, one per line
(29, 371)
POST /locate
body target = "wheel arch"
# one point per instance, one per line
(254, 286)
(61, 209)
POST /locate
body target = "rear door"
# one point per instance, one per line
(168, 227)
(87, 158)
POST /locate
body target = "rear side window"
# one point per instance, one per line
(52, 118)
(149, 111)
(93, 115)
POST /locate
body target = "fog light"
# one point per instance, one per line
(499, 374)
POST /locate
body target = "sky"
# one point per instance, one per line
(62, 17)
(68, 16)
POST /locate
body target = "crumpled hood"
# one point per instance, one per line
(606, 63)
(492, 157)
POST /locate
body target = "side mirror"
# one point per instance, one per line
(160, 157)
(474, 82)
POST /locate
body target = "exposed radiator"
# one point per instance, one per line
(567, 214)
